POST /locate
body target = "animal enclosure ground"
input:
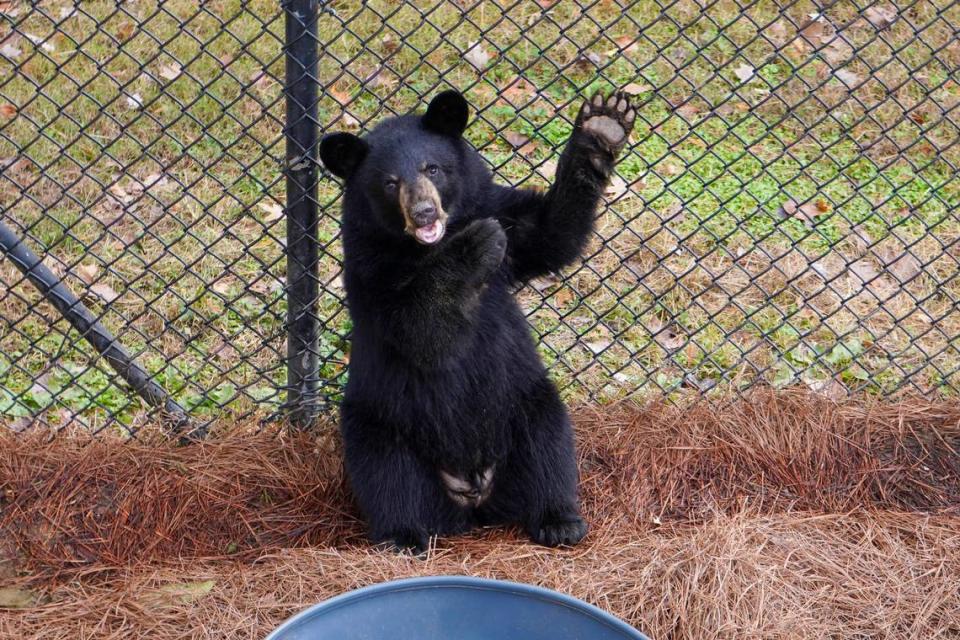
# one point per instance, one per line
(780, 515)
(785, 212)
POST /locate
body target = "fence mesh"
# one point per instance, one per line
(784, 214)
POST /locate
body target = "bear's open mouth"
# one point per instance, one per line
(430, 233)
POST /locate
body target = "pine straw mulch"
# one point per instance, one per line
(781, 515)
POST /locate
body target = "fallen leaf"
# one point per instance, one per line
(548, 169)
(170, 71)
(518, 92)
(744, 72)
(44, 43)
(542, 283)
(7, 110)
(546, 4)
(274, 210)
(187, 592)
(12, 598)
(9, 8)
(830, 388)
(778, 32)
(848, 78)
(564, 296)
(615, 188)
(348, 121)
(625, 44)
(67, 12)
(105, 292)
(390, 44)
(598, 346)
(665, 335)
(900, 263)
(809, 211)
(636, 88)
(134, 101)
(9, 50)
(864, 270)
(880, 17)
(838, 51)
(88, 272)
(590, 59)
(815, 30)
(340, 95)
(477, 56)
(688, 111)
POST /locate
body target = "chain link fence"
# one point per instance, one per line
(785, 214)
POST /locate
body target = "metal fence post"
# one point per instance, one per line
(301, 91)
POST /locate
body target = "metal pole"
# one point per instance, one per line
(86, 323)
(303, 289)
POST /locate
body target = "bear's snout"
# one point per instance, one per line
(424, 213)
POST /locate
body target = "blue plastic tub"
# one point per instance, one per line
(454, 608)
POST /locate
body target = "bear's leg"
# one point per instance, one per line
(401, 498)
(537, 485)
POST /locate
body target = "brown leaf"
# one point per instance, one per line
(744, 72)
(830, 388)
(340, 95)
(7, 110)
(390, 44)
(12, 598)
(665, 335)
(564, 296)
(815, 30)
(880, 17)
(105, 292)
(546, 4)
(590, 59)
(636, 88)
(625, 44)
(615, 188)
(477, 56)
(521, 143)
(837, 52)
(548, 169)
(171, 71)
(88, 272)
(848, 78)
(518, 92)
(778, 32)
(807, 212)
(688, 111)
(274, 210)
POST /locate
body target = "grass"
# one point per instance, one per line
(145, 150)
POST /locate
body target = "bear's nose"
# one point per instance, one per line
(424, 213)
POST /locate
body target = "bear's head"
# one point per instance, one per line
(409, 169)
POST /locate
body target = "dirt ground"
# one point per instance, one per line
(778, 515)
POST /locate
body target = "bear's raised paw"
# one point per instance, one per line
(608, 119)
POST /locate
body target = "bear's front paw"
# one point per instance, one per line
(608, 121)
(406, 541)
(484, 243)
(554, 532)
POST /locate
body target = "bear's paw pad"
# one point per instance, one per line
(610, 119)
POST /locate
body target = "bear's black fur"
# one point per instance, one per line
(449, 419)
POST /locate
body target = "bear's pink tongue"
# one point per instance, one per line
(431, 233)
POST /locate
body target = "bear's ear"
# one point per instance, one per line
(447, 114)
(342, 153)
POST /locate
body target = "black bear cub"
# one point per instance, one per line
(449, 420)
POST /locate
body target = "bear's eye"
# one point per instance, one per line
(390, 185)
(432, 169)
